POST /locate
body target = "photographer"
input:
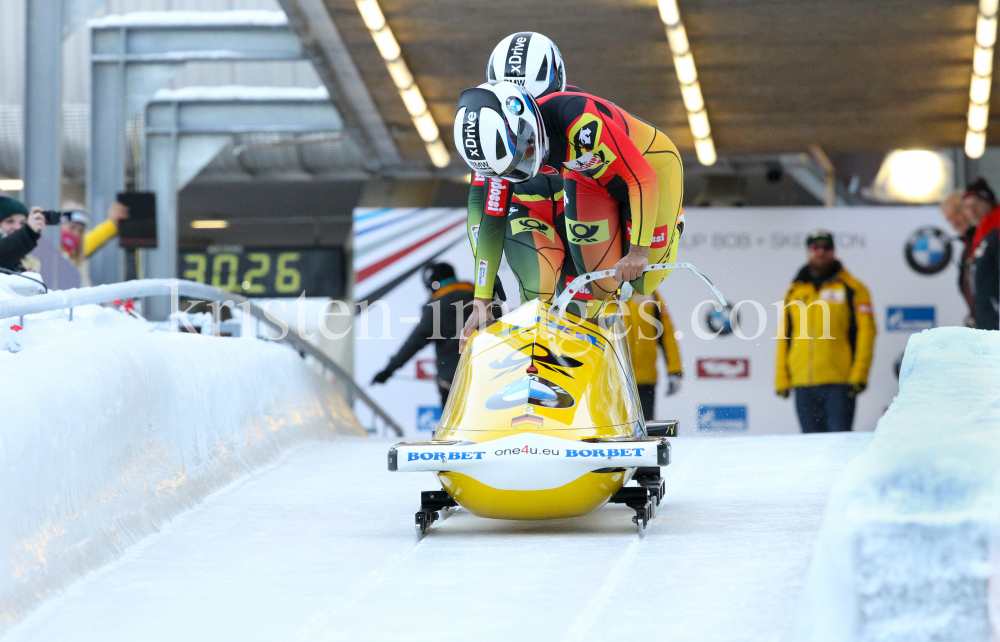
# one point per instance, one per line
(19, 233)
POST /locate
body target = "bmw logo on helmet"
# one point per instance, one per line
(928, 250)
(515, 106)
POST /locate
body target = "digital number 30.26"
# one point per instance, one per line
(225, 270)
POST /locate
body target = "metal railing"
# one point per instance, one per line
(69, 299)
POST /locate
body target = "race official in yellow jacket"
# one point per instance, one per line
(826, 334)
(648, 324)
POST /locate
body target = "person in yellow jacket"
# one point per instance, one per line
(825, 339)
(77, 242)
(648, 324)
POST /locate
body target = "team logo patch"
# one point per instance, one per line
(833, 295)
(548, 170)
(515, 106)
(527, 224)
(475, 236)
(482, 272)
(581, 233)
(478, 179)
(928, 250)
(586, 132)
(587, 161)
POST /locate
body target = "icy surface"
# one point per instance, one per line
(321, 546)
(240, 92)
(108, 429)
(905, 549)
(253, 18)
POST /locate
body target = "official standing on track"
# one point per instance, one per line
(827, 366)
(649, 325)
(440, 322)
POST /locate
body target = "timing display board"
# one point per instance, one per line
(267, 272)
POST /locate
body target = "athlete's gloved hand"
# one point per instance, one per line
(856, 389)
(783, 393)
(382, 377)
(674, 382)
(631, 266)
(482, 316)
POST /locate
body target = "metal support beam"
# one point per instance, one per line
(817, 180)
(134, 55)
(312, 21)
(41, 168)
(186, 128)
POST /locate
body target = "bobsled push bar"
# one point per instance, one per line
(563, 460)
(626, 291)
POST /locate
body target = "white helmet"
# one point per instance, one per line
(529, 60)
(499, 132)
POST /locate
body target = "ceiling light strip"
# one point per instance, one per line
(413, 100)
(687, 76)
(982, 78)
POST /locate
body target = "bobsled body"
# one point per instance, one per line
(543, 420)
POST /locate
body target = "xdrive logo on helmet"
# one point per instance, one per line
(470, 134)
(515, 56)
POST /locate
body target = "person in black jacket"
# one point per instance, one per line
(19, 232)
(984, 262)
(440, 322)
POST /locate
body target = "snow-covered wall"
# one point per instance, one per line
(108, 429)
(910, 544)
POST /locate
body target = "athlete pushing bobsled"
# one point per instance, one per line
(544, 420)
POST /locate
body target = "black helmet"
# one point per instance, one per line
(435, 273)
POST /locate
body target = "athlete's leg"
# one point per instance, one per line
(667, 235)
(594, 231)
(534, 251)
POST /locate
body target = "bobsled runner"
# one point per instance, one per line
(544, 421)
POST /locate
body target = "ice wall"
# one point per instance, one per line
(108, 429)
(909, 549)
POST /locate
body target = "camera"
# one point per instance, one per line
(52, 217)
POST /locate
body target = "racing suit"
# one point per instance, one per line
(615, 167)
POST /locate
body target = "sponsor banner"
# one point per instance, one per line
(428, 417)
(722, 418)
(751, 254)
(723, 368)
(909, 319)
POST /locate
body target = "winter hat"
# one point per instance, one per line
(981, 189)
(436, 274)
(10, 206)
(819, 236)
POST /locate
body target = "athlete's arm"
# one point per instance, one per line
(475, 209)
(492, 231)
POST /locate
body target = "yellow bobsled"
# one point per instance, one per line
(543, 422)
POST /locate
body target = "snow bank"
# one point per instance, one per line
(109, 428)
(910, 543)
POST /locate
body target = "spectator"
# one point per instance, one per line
(19, 234)
(440, 323)
(648, 324)
(983, 261)
(955, 214)
(827, 366)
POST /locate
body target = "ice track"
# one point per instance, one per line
(320, 546)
